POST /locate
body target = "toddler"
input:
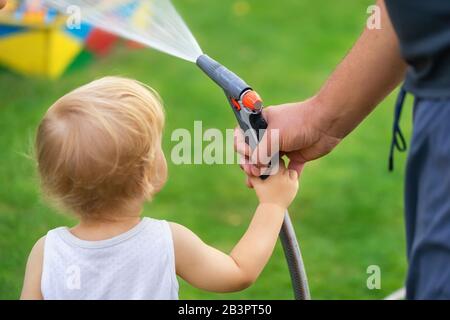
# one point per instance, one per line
(99, 157)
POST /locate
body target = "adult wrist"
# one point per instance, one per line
(328, 116)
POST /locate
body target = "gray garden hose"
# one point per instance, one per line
(294, 260)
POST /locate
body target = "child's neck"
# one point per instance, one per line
(104, 228)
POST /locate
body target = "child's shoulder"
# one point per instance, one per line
(38, 248)
(32, 281)
(36, 255)
(37, 252)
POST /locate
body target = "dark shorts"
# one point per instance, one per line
(427, 202)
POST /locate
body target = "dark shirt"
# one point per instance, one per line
(423, 28)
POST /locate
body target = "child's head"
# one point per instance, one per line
(99, 150)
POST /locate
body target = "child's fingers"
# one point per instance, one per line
(253, 182)
(281, 167)
(293, 174)
(255, 171)
(249, 183)
(247, 168)
(244, 163)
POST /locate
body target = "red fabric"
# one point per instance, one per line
(100, 42)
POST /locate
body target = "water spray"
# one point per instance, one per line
(156, 23)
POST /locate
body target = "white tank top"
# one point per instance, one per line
(138, 264)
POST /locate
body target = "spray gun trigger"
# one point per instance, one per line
(236, 104)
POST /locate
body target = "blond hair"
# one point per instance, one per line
(97, 146)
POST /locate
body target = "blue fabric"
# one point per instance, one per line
(6, 30)
(398, 139)
(423, 28)
(427, 202)
(82, 33)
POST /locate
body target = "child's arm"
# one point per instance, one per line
(32, 283)
(210, 269)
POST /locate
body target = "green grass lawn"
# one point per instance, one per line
(348, 214)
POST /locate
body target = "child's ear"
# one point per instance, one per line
(156, 175)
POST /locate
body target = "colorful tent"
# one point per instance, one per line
(36, 41)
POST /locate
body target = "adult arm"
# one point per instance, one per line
(311, 129)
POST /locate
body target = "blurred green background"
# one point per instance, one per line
(348, 214)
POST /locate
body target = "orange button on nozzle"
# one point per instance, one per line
(252, 100)
(236, 104)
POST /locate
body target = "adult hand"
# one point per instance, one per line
(303, 136)
(311, 129)
(3, 3)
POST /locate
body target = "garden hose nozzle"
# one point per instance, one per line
(245, 102)
(247, 107)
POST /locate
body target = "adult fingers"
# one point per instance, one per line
(261, 156)
(296, 162)
(240, 146)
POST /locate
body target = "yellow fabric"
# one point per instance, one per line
(40, 49)
(24, 52)
(44, 52)
(62, 50)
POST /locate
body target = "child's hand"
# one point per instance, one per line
(279, 189)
